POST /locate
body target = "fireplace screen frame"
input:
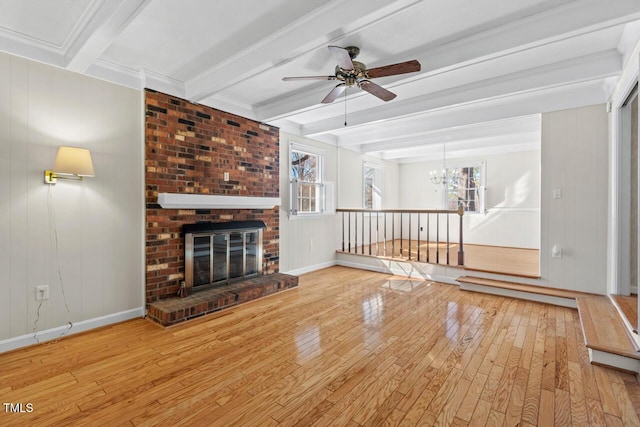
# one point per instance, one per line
(190, 253)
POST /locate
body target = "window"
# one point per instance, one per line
(465, 187)
(372, 184)
(306, 175)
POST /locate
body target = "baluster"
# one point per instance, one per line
(369, 233)
(460, 248)
(418, 237)
(437, 238)
(349, 229)
(447, 239)
(342, 231)
(377, 233)
(428, 217)
(384, 235)
(355, 231)
(362, 250)
(409, 236)
(401, 236)
(393, 230)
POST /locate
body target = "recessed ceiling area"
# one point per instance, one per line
(488, 69)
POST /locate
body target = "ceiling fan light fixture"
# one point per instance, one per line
(354, 73)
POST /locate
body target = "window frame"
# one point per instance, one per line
(377, 182)
(480, 189)
(319, 182)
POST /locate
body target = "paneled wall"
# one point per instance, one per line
(99, 221)
(512, 198)
(575, 161)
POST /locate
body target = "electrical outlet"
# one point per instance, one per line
(556, 252)
(226, 176)
(42, 292)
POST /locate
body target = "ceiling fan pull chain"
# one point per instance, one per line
(345, 106)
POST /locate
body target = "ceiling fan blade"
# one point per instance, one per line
(394, 69)
(342, 57)
(377, 90)
(334, 94)
(289, 79)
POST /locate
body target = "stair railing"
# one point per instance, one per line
(381, 232)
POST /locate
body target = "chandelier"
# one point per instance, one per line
(441, 177)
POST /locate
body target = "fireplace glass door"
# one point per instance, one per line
(251, 251)
(222, 255)
(236, 244)
(201, 260)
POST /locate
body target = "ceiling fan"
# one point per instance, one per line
(353, 73)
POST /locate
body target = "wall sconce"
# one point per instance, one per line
(71, 163)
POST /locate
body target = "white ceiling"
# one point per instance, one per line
(488, 67)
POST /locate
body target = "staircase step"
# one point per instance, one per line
(606, 337)
(603, 329)
(545, 294)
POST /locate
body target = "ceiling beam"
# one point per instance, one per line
(108, 21)
(484, 149)
(523, 125)
(600, 65)
(514, 105)
(553, 25)
(305, 34)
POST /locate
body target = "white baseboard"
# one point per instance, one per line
(82, 326)
(309, 269)
(398, 272)
(598, 357)
(548, 299)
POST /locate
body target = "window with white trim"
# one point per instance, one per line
(372, 186)
(465, 187)
(306, 178)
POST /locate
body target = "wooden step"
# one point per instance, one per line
(545, 294)
(603, 329)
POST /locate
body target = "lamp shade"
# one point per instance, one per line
(73, 161)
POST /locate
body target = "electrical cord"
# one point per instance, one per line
(54, 237)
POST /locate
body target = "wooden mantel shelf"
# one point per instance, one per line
(208, 201)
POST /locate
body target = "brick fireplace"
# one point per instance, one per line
(198, 150)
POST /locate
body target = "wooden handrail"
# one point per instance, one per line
(424, 211)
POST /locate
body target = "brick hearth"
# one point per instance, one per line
(169, 311)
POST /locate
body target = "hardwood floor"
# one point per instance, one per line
(495, 259)
(629, 308)
(347, 347)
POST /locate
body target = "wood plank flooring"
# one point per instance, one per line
(629, 308)
(494, 259)
(346, 348)
(603, 328)
(521, 287)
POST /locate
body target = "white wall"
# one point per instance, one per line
(350, 186)
(99, 221)
(308, 243)
(512, 198)
(575, 160)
